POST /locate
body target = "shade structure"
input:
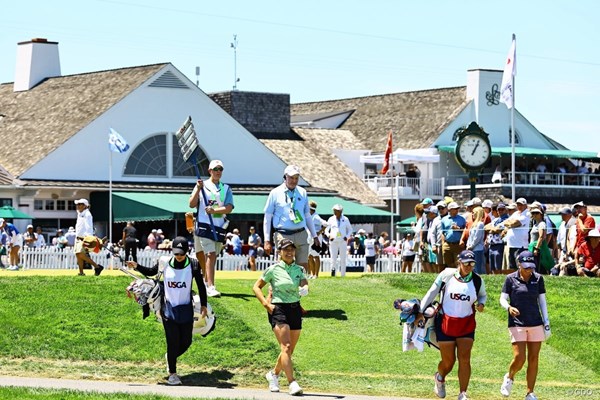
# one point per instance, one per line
(136, 206)
(12, 213)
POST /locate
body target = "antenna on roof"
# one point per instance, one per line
(197, 76)
(234, 45)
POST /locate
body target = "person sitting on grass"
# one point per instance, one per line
(587, 257)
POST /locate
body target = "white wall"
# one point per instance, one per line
(148, 111)
(352, 160)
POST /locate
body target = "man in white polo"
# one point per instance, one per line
(516, 230)
(219, 202)
(338, 231)
(287, 211)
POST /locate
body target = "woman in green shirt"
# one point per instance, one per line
(288, 282)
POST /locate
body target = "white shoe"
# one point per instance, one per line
(273, 381)
(463, 396)
(440, 386)
(295, 389)
(506, 386)
(531, 396)
(174, 380)
(211, 291)
(13, 268)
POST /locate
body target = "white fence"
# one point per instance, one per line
(53, 258)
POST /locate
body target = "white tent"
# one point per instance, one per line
(427, 155)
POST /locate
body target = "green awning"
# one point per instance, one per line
(557, 219)
(532, 152)
(137, 206)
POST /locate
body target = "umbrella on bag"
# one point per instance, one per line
(11, 212)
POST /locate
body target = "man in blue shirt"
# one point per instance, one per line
(288, 212)
(14, 241)
(452, 227)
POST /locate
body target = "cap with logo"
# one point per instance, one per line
(285, 243)
(466, 256)
(291, 170)
(215, 163)
(521, 200)
(526, 260)
(82, 201)
(180, 245)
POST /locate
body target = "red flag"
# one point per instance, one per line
(388, 155)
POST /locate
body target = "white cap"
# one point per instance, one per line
(159, 231)
(215, 163)
(338, 207)
(29, 226)
(521, 200)
(453, 205)
(361, 230)
(487, 203)
(1, 221)
(82, 201)
(476, 201)
(292, 170)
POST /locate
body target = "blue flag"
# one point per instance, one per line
(116, 142)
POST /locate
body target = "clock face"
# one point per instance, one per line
(473, 151)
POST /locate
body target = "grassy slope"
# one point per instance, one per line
(72, 327)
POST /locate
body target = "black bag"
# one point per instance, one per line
(205, 230)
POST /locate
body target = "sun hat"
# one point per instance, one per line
(526, 259)
(466, 256)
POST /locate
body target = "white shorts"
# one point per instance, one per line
(17, 240)
(206, 245)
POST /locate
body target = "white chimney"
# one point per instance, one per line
(36, 60)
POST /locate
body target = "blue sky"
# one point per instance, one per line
(319, 50)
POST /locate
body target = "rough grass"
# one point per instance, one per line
(76, 327)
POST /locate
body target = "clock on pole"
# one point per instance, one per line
(473, 151)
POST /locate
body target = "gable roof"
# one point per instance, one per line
(416, 118)
(319, 167)
(38, 121)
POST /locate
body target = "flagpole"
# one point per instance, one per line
(392, 197)
(110, 197)
(512, 126)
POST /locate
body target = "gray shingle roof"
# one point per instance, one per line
(416, 118)
(319, 167)
(40, 120)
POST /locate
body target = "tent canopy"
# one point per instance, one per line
(10, 212)
(138, 206)
(427, 155)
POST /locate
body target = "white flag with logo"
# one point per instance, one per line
(116, 142)
(510, 70)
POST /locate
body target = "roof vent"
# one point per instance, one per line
(169, 80)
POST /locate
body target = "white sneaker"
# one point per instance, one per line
(506, 386)
(174, 380)
(273, 381)
(531, 396)
(463, 396)
(440, 386)
(211, 291)
(13, 268)
(295, 389)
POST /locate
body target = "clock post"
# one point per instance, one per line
(473, 152)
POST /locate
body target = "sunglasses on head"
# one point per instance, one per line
(218, 169)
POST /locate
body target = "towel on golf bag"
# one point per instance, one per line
(93, 243)
(413, 338)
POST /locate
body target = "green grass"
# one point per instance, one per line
(351, 341)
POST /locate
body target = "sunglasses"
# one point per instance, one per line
(219, 169)
(469, 264)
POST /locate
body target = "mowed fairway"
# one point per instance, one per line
(56, 324)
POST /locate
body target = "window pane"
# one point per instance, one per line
(61, 205)
(48, 204)
(182, 168)
(38, 204)
(149, 158)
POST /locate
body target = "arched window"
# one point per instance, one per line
(149, 158)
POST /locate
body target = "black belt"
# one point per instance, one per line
(289, 231)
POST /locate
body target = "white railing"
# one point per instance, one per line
(400, 186)
(54, 258)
